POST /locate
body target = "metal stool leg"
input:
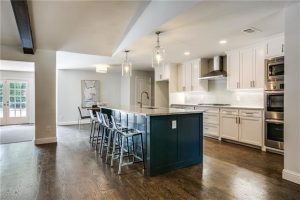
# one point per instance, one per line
(122, 154)
(114, 149)
(108, 145)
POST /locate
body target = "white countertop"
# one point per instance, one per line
(152, 112)
(231, 106)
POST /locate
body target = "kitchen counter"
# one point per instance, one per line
(153, 111)
(231, 106)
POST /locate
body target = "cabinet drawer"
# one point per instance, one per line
(211, 118)
(250, 113)
(230, 111)
(210, 130)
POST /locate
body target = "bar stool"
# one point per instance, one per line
(100, 131)
(94, 124)
(125, 134)
(106, 134)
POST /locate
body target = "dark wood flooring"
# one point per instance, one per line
(71, 169)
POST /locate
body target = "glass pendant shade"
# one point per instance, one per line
(126, 66)
(158, 57)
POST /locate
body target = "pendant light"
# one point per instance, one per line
(158, 53)
(126, 65)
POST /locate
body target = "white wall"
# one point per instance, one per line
(28, 76)
(218, 93)
(45, 90)
(69, 92)
(292, 95)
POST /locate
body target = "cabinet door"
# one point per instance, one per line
(163, 138)
(190, 137)
(229, 127)
(250, 130)
(158, 73)
(259, 66)
(195, 67)
(233, 70)
(246, 66)
(181, 78)
(275, 47)
(188, 76)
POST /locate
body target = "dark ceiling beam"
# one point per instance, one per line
(20, 9)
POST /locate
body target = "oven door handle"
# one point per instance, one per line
(267, 92)
(275, 121)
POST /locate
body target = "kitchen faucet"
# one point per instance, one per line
(141, 102)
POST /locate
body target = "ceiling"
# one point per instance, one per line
(100, 27)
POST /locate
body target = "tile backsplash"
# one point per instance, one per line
(218, 93)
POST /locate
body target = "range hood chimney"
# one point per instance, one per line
(218, 72)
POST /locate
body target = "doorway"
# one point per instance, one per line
(17, 101)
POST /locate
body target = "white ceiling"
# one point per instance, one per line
(98, 28)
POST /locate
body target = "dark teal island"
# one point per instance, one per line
(173, 138)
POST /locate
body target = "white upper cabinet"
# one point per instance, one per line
(188, 76)
(162, 73)
(275, 46)
(233, 70)
(246, 68)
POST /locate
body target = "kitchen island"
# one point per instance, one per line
(173, 138)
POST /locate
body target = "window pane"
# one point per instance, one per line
(18, 99)
(11, 85)
(23, 99)
(11, 92)
(23, 92)
(18, 105)
(18, 113)
(12, 112)
(12, 99)
(18, 85)
(23, 85)
(23, 105)
(18, 92)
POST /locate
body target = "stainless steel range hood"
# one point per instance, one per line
(218, 72)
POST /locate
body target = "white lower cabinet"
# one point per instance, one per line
(250, 130)
(229, 127)
(245, 126)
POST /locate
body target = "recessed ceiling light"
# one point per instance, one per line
(223, 41)
(187, 53)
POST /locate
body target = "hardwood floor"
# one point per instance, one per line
(72, 170)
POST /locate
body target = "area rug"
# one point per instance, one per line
(16, 133)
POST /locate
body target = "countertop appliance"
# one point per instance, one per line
(274, 103)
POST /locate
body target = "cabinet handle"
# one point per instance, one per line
(282, 48)
(239, 120)
(236, 120)
(160, 76)
(250, 83)
(253, 83)
(267, 49)
(237, 84)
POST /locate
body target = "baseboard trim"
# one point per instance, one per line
(291, 176)
(45, 140)
(72, 123)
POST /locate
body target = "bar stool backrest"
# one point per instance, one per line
(99, 117)
(113, 122)
(104, 121)
(92, 115)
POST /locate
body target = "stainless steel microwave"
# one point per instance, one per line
(275, 74)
